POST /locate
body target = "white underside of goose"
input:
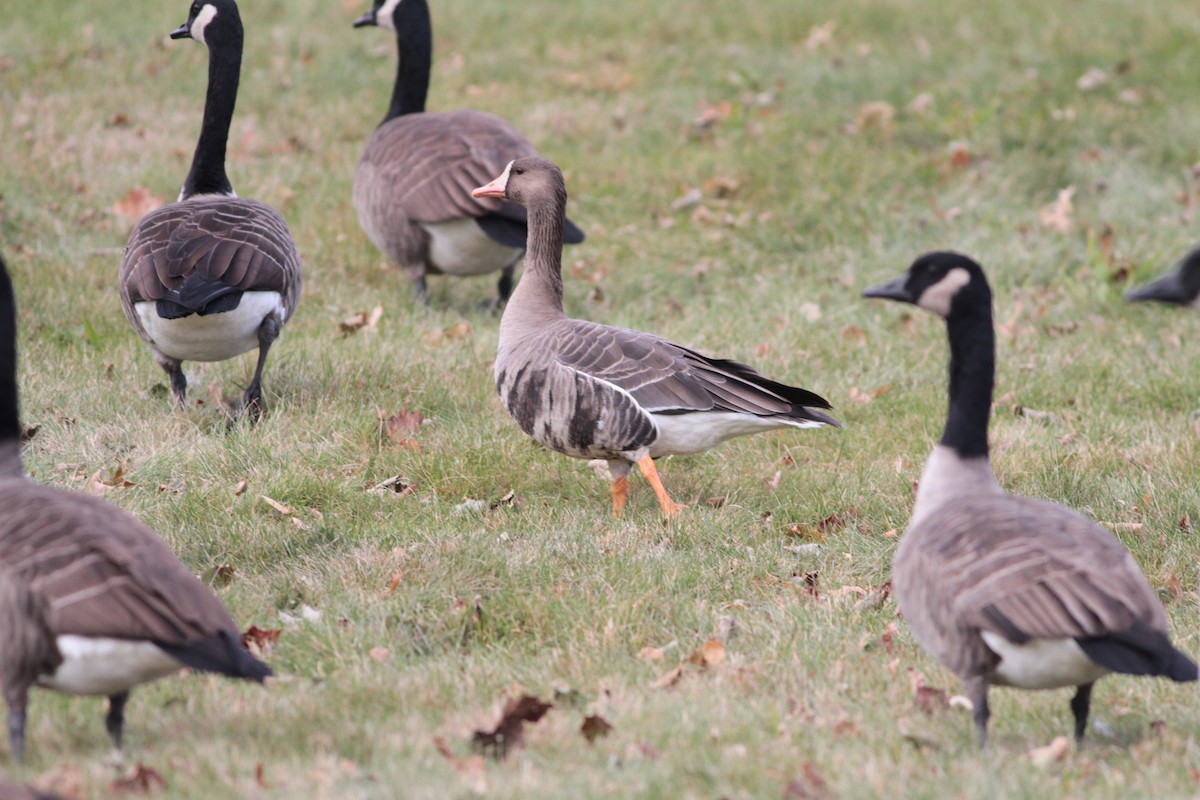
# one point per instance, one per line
(1041, 663)
(213, 337)
(101, 666)
(460, 247)
(684, 434)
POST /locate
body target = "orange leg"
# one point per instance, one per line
(620, 493)
(670, 507)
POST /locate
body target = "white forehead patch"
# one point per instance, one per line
(383, 17)
(503, 179)
(937, 298)
(206, 15)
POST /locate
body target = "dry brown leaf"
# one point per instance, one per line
(139, 779)
(811, 786)
(278, 507)
(1094, 78)
(104, 481)
(136, 204)
(853, 333)
(509, 732)
(240, 489)
(930, 699)
(711, 115)
(362, 321)
(1185, 524)
(874, 116)
(710, 654)
(650, 654)
(669, 679)
(805, 532)
(1055, 751)
(1175, 586)
(820, 35)
(1058, 216)
(400, 425)
(836, 521)
(379, 654)
(773, 482)
(394, 584)
(595, 726)
(259, 641)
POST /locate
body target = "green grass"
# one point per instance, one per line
(549, 595)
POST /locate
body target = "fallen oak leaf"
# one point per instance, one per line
(260, 641)
(930, 699)
(594, 727)
(1055, 751)
(136, 204)
(509, 731)
(669, 679)
(139, 779)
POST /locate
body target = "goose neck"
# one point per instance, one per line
(972, 377)
(540, 291)
(414, 40)
(10, 421)
(207, 175)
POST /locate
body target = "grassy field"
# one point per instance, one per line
(829, 145)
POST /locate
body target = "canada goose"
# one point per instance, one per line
(1008, 590)
(599, 392)
(1180, 286)
(411, 187)
(213, 275)
(92, 602)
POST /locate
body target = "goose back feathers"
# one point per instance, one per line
(92, 601)
(595, 391)
(412, 187)
(1001, 589)
(213, 275)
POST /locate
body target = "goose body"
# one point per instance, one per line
(412, 185)
(600, 392)
(92, 602)
(1008, 590)
(213, 275)
(1180, 286)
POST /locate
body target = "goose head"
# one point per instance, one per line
(211, 22)
(382, 13)
(525, 181)
(1181, 286)
(944, 283)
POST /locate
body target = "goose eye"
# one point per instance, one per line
(518, 171)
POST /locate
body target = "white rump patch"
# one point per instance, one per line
(460, 247)
(937, 298)
(1041, 663)
(383, 17)
(684, 434)
(100, 666)
(207, 14)
(214, 337)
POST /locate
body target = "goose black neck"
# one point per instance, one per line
(10, 424)
(543, 255)
(414, 39)
(972, 377)
(207, 175)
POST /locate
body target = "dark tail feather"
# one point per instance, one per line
(198, 295)
(1140, 651)
(222, 654)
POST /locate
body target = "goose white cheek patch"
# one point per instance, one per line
(206, 15)
(937, 298)
(383, 17)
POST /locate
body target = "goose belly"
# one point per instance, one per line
(1041, 663)
(213, 337)
(460, 247)
(100, 666)
(683, 434)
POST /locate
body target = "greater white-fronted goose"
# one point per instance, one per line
(1180, 286)
(92, 602)
(598, 392)
(1008, 590)
(213, 275)
(412, 187)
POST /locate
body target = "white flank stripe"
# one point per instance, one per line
(214, 337)
(100, 666)
(1041, 663)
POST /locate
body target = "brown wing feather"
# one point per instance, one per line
(1030, 569)
(242, 243)
(425, 165)
(100, 571)
(666, 378)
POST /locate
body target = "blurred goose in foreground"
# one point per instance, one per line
(1180, 286)
(92, 602)
(599, 392)
(411, 190)
(1007, 590)
(213, 275)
